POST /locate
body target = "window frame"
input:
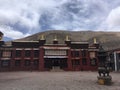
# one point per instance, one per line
(84, 61)
(18, 51)
(27, 53)
(17, 64)
(6, 65)
(27, 62)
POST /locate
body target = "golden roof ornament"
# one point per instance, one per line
(95, 41)
(55, 39)
(42, 37)
(67, 38)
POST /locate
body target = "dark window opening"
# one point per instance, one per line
(36, 53)
(75, 53)
(18, 53)
(27, 53)
(5, 63)
(75, 62)
(63, 63)
(27, 62)
(36, 62)
(48, 63)
(84, 53)
(17, 62)
(84, 61)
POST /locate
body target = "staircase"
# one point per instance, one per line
(56, 69)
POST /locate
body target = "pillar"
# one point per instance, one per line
(115, 61)
(32, 59)
(41, 59)
(22, 60)
(12, 61)
(69, 60)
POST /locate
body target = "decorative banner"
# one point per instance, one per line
(55, 57)
(56, 52)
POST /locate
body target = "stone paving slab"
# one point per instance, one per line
(55, 81)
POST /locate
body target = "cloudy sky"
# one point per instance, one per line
(20, 18)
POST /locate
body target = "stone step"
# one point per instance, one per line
(56, 69)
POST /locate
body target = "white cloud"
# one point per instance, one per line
(24, 14)
(23, 17)
(113, 20)
(11, 33)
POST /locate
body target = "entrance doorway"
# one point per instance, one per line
(55, 62)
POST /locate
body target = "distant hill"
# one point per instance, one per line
(109, 40)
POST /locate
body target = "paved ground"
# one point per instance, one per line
(55, 81)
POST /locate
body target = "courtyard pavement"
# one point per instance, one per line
(85, 80)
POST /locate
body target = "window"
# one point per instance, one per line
(18, 53)
(84, 61)
(72, 53)
(84, 53)
(75, 62)
(75, 53)
(36, 62)
(93, 61)
(17, 62)
(27, 62)
(5, 63)
(36, 53)
(27, 53)
(6, 53)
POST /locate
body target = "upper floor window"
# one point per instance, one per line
(6, 53)
(36, 53)
(18, 53)
(27, 53)
(84, 53)
(75, 54)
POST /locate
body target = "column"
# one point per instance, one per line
(32, 59)
(12, 61)
(88, 58)
(69, 60)
(115, 61)
(22, 59)
(41, 59)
